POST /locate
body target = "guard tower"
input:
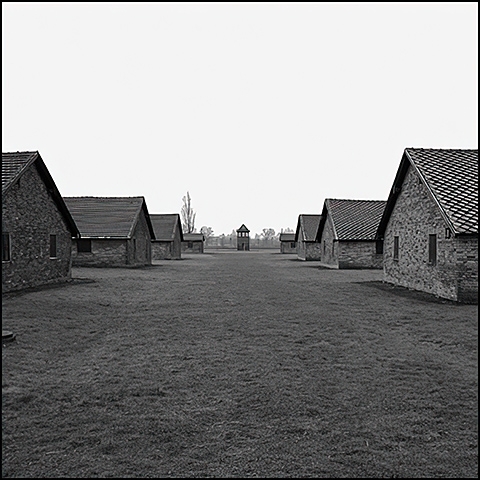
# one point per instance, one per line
(243, 239)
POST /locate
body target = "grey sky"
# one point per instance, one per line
(260, 111)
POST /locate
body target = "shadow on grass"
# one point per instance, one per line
(407, 292)
(48, 286)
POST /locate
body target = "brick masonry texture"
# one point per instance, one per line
(243, 243)
(328, 245)
(347, 254)
(30, 216)
(308, 250)
(197, 247)
(358, 254)
(414, 217)
(171, 250)
(139, 247)
(105, 253)
(285, 247)
(133, 252)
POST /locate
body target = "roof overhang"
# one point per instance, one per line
(396, 189)
(51, 188)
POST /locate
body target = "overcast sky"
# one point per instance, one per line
(259, 110)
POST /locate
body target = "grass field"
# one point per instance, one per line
(238, 364)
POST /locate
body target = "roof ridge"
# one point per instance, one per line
(20, 151)
(444, 149)
(355, 200)
(450, 177)
(164, 214)
(95, 196)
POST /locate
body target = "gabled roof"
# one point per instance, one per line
(307, 226)
(15, 164)
(352, 219)
(165, 225)
(451, 178)
(108, 217)
(243, 228)
(193, 237)
(287, 237)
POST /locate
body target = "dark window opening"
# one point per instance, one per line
(84, 245)
(292, 244)
(5, 247)
(379, 247)
(432, 249)
(395, 248)
(190, 244)
(53, 246)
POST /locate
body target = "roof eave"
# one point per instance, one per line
(326, 210)
(55, 193)
(179, 223)
(143, 208)
(393, 195)
(444, 214)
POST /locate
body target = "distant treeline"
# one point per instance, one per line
(268, 239)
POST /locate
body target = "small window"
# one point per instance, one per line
(190, 244)
(5, 247)
(292, 244)
(432, 249)
(53, 246)
(84, 245)
(448, 233)
(395, 248)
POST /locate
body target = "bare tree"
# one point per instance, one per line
(268, 233)
(188, 215)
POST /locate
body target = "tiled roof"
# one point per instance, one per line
(164, 225)
(452, 177)
(111, 217)
(355, 219)
(307, 227)
(14, 164)
(193, 237)
(287, 237)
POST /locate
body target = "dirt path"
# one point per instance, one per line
(238, 364)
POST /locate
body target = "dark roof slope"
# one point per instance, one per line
(14, 164)
(353, 219)
(108, 217)
(451, 177)
(307, 226)
(243, 228)
(193, 237)
(165, 225)
(287, 237)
